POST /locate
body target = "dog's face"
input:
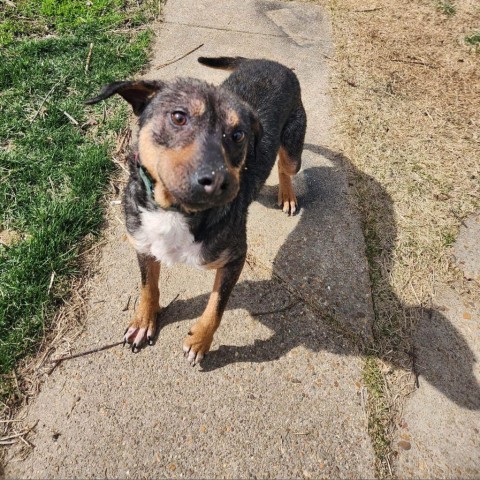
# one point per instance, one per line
(193, 139)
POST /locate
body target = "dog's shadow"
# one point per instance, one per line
(446, 361)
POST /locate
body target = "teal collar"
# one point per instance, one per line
(147, 181)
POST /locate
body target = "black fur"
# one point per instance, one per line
(266, 96)
(224, 63)
(272, 91)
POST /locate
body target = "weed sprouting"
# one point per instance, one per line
(447, 8)
(474, 40)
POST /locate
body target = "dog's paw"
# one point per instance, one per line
(286, 196)
(197, 344)
(289, 207)
(288, 204)
(141, 329)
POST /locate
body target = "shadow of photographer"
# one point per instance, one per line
(338, 326)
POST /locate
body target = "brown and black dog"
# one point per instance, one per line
(203, 154)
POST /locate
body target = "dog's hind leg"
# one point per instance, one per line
(200, 337)
(144, 322)
(290, 158)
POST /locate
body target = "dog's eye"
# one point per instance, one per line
(179, 118)
(238, 136)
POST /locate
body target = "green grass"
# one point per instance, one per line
(378, 414)
(446, 7)
(448, 239)
(474, 40)
(52, 172)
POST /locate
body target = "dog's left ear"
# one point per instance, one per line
(138, 94)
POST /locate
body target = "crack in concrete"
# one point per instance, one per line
(192, 25)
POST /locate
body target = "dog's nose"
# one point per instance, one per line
(213, 182)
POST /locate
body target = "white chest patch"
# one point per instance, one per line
(166, 236)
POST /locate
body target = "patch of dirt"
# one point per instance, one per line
(9, 237)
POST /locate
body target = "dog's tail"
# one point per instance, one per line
(223, 63)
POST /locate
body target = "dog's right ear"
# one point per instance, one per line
(138, 93)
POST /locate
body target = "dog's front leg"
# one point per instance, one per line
(200, 337)
(144, 322)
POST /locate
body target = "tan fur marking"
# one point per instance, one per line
(198, 107)
(285, 163)
(173, 170)
(220, 262)
(203, 330)
(232, 118)
(148, 151)
(286, 195)
(162, 196)
(234, 171)
(146, 313)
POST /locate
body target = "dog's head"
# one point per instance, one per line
(193, 139)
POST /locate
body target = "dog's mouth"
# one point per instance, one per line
(191, 203)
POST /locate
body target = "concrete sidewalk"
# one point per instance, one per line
(280, 394)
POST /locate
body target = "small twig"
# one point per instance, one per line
(119, 164)
(288, 307)
(413, 62)
(6, 440)
(87, 352)
(178, 58)
(89, 56)
(388, 465)
(57, 361)
(363, 401)
(114, 187)
(367, 10)
(45, 99)
(249, 263)
(44, 356)
(124, 140)
(52, 278)
(26, 442)
(171, 301)
(90, 249)
(70, 118)
(125, 308)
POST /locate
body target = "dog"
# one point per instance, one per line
(202, 156)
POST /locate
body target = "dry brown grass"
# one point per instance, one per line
(407, 93)
(409, 104)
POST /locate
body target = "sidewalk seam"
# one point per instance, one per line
(243, 31)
